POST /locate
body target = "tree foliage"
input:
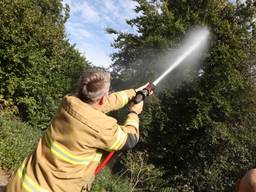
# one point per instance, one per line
(37, 63)
(202, 131)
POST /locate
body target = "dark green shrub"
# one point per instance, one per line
(17, 140)
(105, 181)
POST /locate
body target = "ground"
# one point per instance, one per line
(4, 176)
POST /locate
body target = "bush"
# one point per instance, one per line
(7, 107)
(105, 181)
(17, 140)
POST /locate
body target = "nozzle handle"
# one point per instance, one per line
(141, 95)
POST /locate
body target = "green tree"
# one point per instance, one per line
(202, 131)
(37, 63)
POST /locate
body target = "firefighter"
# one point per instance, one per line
(70, 150)
(248, 182)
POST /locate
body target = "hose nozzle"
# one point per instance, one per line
(140, 95)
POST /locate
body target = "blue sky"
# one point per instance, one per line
(87, 23)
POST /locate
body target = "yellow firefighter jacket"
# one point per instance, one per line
(69, 152)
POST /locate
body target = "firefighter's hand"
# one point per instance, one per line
(136, 107)
(142, 87)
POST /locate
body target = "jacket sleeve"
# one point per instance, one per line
(120, 137)
(118, 100)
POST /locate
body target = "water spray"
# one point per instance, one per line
(141, 95)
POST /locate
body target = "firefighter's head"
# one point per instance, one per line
(94, 86)
(248, 182)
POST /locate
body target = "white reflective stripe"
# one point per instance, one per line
(97, 157)
(63, 154)
(124, 138)
(132, 122)
(27, 182)
(124, 97)
(121, 136)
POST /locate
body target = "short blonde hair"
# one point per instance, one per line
(94, 84)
